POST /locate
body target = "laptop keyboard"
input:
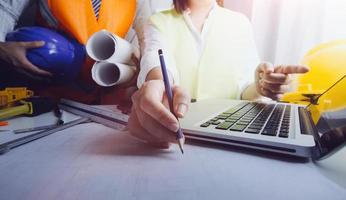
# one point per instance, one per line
(254, 118)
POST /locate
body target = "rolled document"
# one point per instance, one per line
(106, 46)
(109, 74)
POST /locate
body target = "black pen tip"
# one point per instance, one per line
(160, 52)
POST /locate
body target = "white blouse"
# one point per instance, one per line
(153, 41)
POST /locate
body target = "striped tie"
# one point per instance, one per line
(96, 5)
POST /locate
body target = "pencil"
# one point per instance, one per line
(169, 93)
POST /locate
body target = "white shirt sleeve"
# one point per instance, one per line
(153, 41)
(253, 60)
(143, 12)
(10, 11)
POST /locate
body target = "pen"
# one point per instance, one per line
(169, 93)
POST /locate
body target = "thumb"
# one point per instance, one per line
(292, 69)
(181, 101)
(266, 68)
(31, 45)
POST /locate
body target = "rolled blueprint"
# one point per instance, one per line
(106, 46)
(109, 74)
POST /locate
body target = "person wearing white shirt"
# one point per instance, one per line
(210, 53)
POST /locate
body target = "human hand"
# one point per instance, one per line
(151, 119)
(15, 54)
(273, 82)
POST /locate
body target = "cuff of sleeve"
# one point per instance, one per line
(149, 61)
(144, 73)
(7, 25)
(242, 88)
(2, 37)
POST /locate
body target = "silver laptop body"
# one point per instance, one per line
(276, 127)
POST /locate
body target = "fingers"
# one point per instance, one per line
(149, 120)
(151, 103)
(19, 59)
(30, 45)
(181, 101)
(274, 82)
(291, 69)
(276, 78)
(274, 88)
(27, 65)
(139, 132)
(152, 126)
(265, 68)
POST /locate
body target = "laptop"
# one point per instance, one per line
(312, 131)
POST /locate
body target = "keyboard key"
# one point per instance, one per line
(205, 125)
(224, 125)
(242, 123)
(236, 108)
(234, 118)
(284, 127)
(269, 132)
(223, 116)
(230, 120)
(250, 130)
(216, 123)
(255, 127)
(238, 128)
(283, 134)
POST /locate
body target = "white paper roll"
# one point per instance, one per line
(106, 46)
(109, 74)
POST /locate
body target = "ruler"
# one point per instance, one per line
(5, 147)
(88, 113)
(106, 117)
(39, 128)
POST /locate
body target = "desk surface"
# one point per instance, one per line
(90, 161)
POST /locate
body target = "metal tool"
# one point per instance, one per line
(59, 122)
(88, 113)
(39, 128)
(20, 141)
(108, 118)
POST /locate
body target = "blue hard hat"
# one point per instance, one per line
(60, 55)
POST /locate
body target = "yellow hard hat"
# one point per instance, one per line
(327, 63)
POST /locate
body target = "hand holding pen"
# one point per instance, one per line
(150, 120)
(169, 93)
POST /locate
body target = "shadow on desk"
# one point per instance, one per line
(122, 144)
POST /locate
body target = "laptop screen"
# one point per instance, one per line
(329, 115)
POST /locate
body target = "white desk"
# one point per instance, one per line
(91, 161)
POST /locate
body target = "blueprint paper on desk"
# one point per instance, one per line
(91, 161)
